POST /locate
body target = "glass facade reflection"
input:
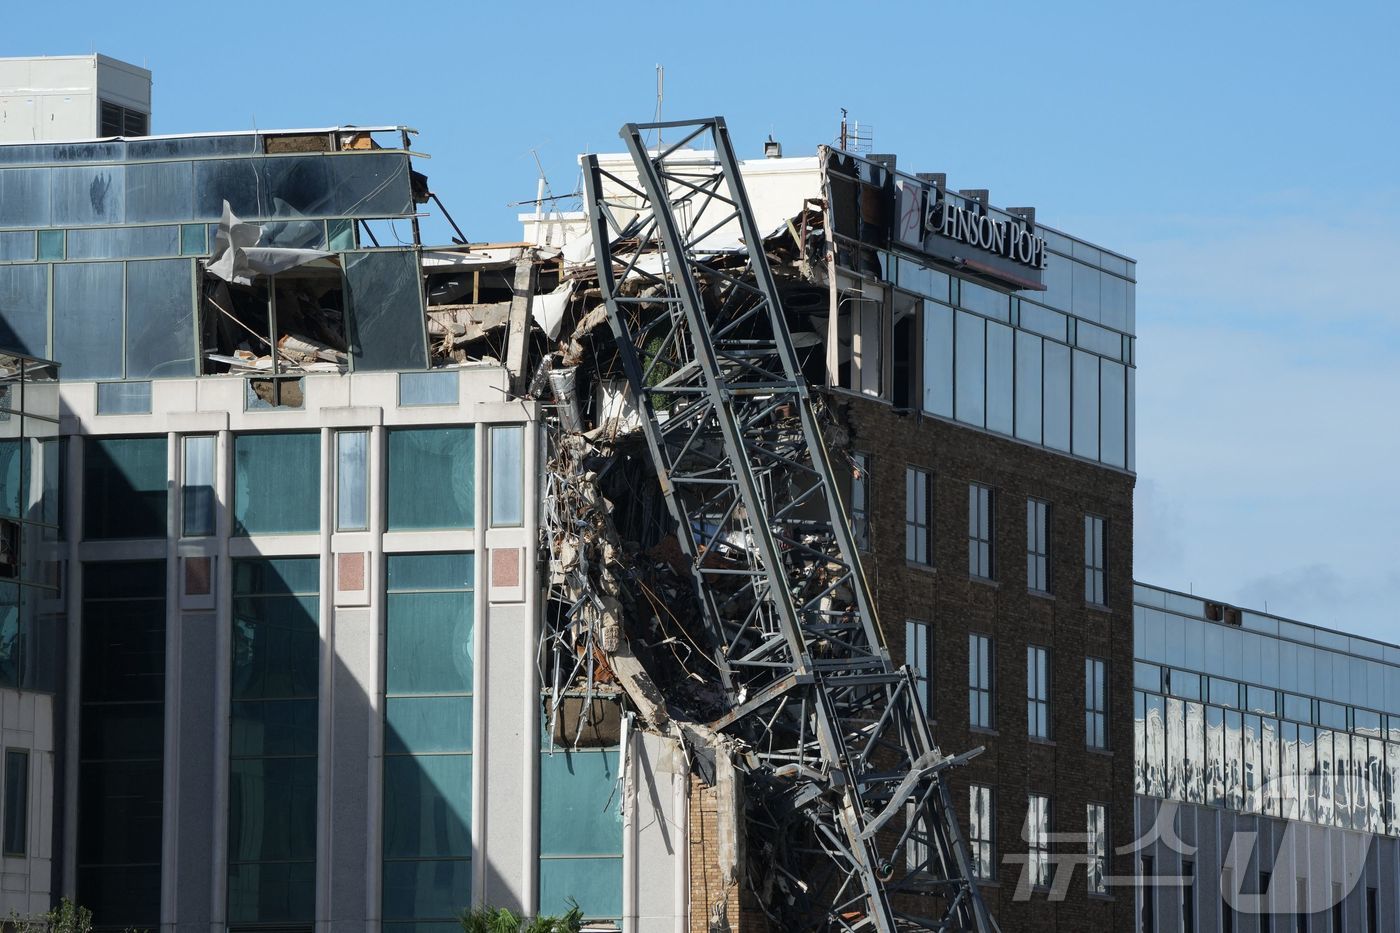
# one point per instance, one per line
(31, 466)
(1263, 715)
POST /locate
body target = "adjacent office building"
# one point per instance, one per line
(1267, 767)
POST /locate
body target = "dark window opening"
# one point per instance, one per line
(1188, 897)
(1147, 922)
(908, 336)
(1266, 919)
(1227, 907)
(309, 314)
(861, 340)
(16, 800)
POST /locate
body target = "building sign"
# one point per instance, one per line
(927, 220)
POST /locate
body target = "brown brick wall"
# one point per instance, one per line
(709, 891)
(1067, 771)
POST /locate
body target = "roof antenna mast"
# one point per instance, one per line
(660, 94)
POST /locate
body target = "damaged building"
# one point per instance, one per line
(273, 649)
(363, 598)
(666, 561)
(975, 387)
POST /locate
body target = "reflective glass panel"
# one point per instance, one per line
(85, 195)
(429, 635)
(971, 369)
(88, 299)
(24, 298)
(124, 487)
(199, 499)
(1113, 413)
(1086, 404)
(160, 329)
(938, 359)
(438, 387)
(385, 302)
(507, 475)
(352, 480)
(430, 483)
(277, 483)
(1000, 377)
(1057, 396)
(1028, 387)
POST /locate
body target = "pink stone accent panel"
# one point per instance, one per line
(505, 567)
(350, 572)
(199, 572)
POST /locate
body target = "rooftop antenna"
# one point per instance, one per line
(854, 137)
(660, 94)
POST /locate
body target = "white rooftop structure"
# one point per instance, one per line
(70, 97)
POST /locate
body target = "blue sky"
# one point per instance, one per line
(1244, 154)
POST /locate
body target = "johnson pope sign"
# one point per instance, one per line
(927, 220)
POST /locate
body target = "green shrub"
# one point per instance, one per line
(504, 920)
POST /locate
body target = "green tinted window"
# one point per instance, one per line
(427, 739)
(580, 832)
(124, 487)
(277, 483)
(273, 741)
(431, 478)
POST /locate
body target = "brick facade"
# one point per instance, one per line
(1064, 768)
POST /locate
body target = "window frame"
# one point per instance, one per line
(981, 528)
(191, 493)
(981, 683)
(1095, 560)
(861, 499)
(1096, 848)
(920, 659)
(912, 381)
(1039, 678)
(918, 528)
(341, 502)
(1038, 563)
(1038, 862)
(500, 487)
(980, 844)
(1096, 703)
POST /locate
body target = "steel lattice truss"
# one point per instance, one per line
(849, 805)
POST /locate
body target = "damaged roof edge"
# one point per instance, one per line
(248, 132)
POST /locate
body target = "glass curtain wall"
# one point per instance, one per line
(428, 741)
(580, 831)
(31, 470)
(121, 741)
(273, 743)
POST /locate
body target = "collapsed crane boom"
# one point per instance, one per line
(841, 762)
